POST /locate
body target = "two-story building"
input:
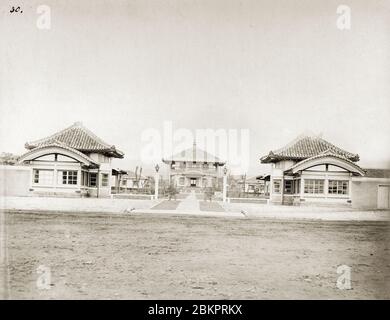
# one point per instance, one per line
(194, 168)
(71, 162)
(311, 170)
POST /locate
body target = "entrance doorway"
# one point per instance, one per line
(193, 182)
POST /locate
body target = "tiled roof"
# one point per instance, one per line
(305, 147)
(194, 154)
(377, 173)
(80, 138)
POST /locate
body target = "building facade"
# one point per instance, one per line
(72, 162)
(131, 180)
(238, 184)
(312, 170)
(194, 168)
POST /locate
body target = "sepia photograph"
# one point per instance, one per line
(192, 150)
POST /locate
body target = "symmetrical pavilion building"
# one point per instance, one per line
(311, 170)
(194, 168)
(71, 162)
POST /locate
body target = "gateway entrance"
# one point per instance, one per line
(193, 182)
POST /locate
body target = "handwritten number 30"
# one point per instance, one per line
(13, 9)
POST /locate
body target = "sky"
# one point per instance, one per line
(274, 68)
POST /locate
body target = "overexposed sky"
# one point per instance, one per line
(277, 68)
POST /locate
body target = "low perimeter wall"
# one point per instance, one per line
(365, 192)
(14, 180)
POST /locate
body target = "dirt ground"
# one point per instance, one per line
(101, 256)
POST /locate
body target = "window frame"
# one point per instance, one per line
(36, 178)
(69, 177)
(311, 185)
(274, 182)
(338, 185)
(105, 180)
(95, 175)
(285, 190)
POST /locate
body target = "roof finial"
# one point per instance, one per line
(194, 151)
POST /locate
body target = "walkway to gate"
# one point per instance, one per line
(189, 204)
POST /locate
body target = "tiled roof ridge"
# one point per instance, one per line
(291, 143)
(35, 143)
(79, 125)
(94, 136)
(315, 139)
(333, 147)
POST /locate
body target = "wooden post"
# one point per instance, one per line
(156, 178)
(224, 191)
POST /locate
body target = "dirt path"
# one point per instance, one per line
(180, 257)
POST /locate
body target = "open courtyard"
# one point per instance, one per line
(172, 256)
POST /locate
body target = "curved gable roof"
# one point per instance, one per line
(327, 158)
(80, 138)
(57, 148)
(305, 147)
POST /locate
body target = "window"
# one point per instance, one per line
(314, 186)
(320, 167)
(335, 168)
(63, 158)
(92, 179)
(277, 186)
(104, 179)
(288, 186)
(338, 187)
(68, 177)
(43, 177)
(47, 157)
(181, 181)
